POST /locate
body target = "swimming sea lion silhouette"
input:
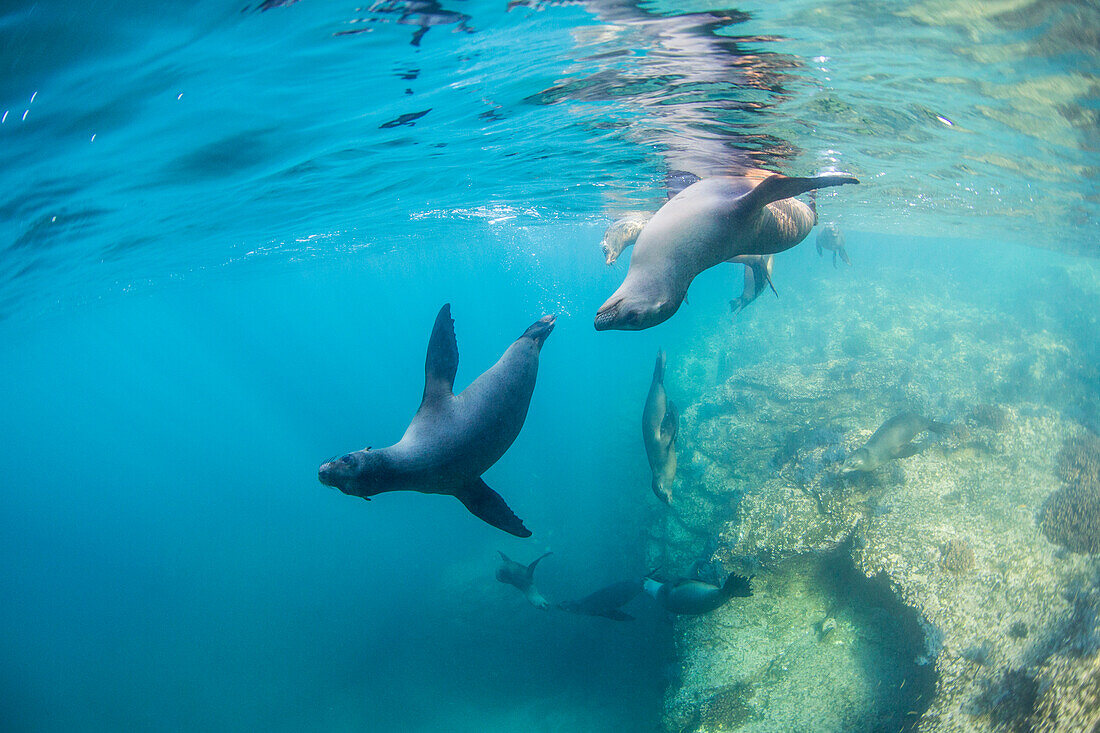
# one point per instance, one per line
(453, 439)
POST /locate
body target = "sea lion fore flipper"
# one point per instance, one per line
(531, 567)
(616, 615)
(907, 450)
(779, 187)
(844, 256)
(441, 362)
(488, 506)
(670, 425)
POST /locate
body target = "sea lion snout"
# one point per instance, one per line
(540, 330)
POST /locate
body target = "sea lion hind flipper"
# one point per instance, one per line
(778, 187)
(761, 270)
(441, 362)
(488, 506)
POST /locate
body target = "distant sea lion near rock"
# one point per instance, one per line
(685, 596)
(660, 423)
(453, 439)
(894, 439)
(706, 224)
(758, 274)
(621, 235)
(523, 578)
(831, 238)
(606, 601)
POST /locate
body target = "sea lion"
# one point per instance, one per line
(606, 601)
(621, 235)
(893, 439)
(686, 596)
(660, 423)
(522, 577)
(831, 238)
(758, 274)
(705, 224)
(453, 439)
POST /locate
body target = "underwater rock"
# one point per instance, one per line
(765, 443)
(956, 555)
(1071, 514)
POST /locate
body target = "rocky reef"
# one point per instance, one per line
(953, 590)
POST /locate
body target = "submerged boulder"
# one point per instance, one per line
(942, 549)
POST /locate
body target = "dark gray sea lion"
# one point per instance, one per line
(831, 238)
(894, 439)
(621, 235)
(453, 439)
(606, 601)
(706, 224)
(758, 275)
(690, 597)
(522, 577)
(660, 423)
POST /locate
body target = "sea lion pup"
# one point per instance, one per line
(705, 224)
(758, 274)
(453, 439)
(894, 439)
(660, 423)
(522, 577)
(621, 235)
(831, 238)
(606, 601)
(686, 596)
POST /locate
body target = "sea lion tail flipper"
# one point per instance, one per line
(778, 187)
(737, 586)
(488, 506)
(844, 256)
(670, 426)
(616, 615)
(659, 367)
(531, 567)
(834, 259)
(441, 363)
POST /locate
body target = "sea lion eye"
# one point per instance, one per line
(346, 460)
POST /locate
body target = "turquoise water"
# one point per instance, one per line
(225, 231)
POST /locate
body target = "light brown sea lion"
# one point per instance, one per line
(831, 238)
(705, 224)
(893, 439)
(621, 235)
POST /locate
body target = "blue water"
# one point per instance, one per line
(219, 265)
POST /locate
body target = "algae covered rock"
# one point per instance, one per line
(1071, 515)
(923, 595)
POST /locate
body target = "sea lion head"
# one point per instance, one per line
(858, 461)
(637, 305)
(361, 473)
